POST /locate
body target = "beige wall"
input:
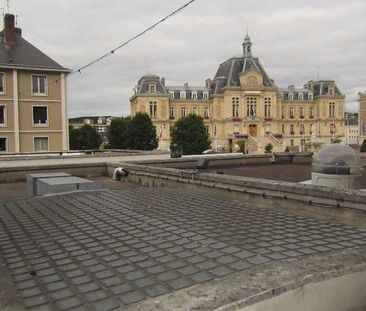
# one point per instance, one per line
(54, 141)
(26, 100)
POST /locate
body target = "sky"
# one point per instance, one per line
(295, 40)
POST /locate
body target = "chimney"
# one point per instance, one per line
(186, 85)
(9, 30)
(208, 83)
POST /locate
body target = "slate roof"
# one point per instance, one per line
(321, 88)
(228, 73)
(143, 84)
(24, 54)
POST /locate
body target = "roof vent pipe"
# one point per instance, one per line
(118, 173)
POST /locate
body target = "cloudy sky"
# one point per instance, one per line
(292, 38)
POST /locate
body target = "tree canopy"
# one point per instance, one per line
(84, 138)
(118, 133)
(142, 133)
(189, 136)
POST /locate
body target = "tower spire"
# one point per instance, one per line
(247, 45)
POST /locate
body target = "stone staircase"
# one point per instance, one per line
(257, 144)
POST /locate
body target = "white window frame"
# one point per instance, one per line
(45, 86)
(171, 94)
(171, 112)
(290, 96)
(194, 95)
(3, 78)
(154, 111)
(310, 96)
(206, 112)
(183, 95)
(300, 96)
(47, 124)
(6, 144)
(195, 111)
(48, 143)
(5, 117)
(181, 111)
(205, 95)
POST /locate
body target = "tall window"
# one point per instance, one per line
(236, 128)
(331, 110)
(2, 116)
(302, 130)
(267, 107)
(39, 85)
(2, 83)
(207, 113)
(40, 144)
(171, 112)
(3, 144)
(153, 109)
(291, 112)
(235, 103)
(40, 116)
(292, 131)
(251, 106)
(301, 112)
(194, 110)
(183, 112)
(311, 112)
(283, 129)
(205, 95)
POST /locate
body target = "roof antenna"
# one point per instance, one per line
(318, 72)
(7, 5)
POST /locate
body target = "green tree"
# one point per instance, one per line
(84, 138)
(74, 138)
(118, 133)
(142, 133)
(189, 136)
(268, 148)
(363, 147)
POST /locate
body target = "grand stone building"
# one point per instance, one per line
(362, 116)
(243, 103)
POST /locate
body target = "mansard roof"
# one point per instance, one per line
(228, 73)
(321, 87)
(143, 84)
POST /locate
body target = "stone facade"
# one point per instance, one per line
(33, 104)
(362, 116)
(243, 103)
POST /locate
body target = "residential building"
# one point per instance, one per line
(362, 116)
(33, 102)
(100, 123)
(243, 103)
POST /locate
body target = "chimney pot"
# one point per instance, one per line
(9, 30)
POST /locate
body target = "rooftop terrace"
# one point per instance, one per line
(180, 245)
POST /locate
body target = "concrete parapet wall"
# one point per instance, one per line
(8, 175)
(253, 189)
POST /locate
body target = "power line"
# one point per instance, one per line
(132, 39)
(123, 44)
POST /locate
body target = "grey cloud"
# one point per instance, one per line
(291, 38)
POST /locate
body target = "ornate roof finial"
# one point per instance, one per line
(247, 45)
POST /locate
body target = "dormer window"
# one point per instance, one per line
(290, 96)
(194, 95)
(182, 94)
(300, 96)
(331, 90)
(152, 88)
(171, 94)
(281, 95)
(205, 95)
(310, 96)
